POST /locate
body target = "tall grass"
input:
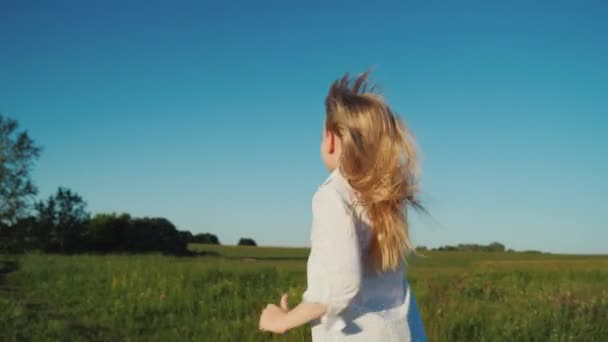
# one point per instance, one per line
(462, 296)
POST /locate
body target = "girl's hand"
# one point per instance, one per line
(272, 319)
(273, 316)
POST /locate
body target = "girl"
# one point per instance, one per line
(357, 289)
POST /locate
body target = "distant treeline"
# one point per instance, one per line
(61, 224)
(492, 247)
(473, 247)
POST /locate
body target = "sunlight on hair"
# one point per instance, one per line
(379, 159)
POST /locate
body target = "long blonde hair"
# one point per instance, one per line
(379, 161)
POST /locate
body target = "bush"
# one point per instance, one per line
(246, 242)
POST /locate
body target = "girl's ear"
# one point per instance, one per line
(332, 142)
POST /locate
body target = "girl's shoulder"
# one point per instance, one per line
(336, 190)
(336, 187)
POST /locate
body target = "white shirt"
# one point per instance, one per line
(361, 305)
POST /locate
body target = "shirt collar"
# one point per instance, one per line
(335, 174)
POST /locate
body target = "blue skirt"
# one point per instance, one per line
(414, 321)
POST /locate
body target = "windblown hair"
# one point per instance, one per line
(379, 161)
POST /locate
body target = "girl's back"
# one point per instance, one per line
(382, 308)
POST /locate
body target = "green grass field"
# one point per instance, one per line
(218, 297)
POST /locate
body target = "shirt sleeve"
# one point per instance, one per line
(335, 257)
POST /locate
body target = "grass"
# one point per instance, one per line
(242, 252)
(462, 296)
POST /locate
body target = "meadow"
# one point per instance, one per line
(218, 296)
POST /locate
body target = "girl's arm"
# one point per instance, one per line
(334, 265)
(279, 320)
(335, 257)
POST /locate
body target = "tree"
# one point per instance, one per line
(17, 155)
(63, 218)
(246, 242)
(496, 247)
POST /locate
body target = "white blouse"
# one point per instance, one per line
(361, 305)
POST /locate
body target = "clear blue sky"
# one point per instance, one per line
(210, 115)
